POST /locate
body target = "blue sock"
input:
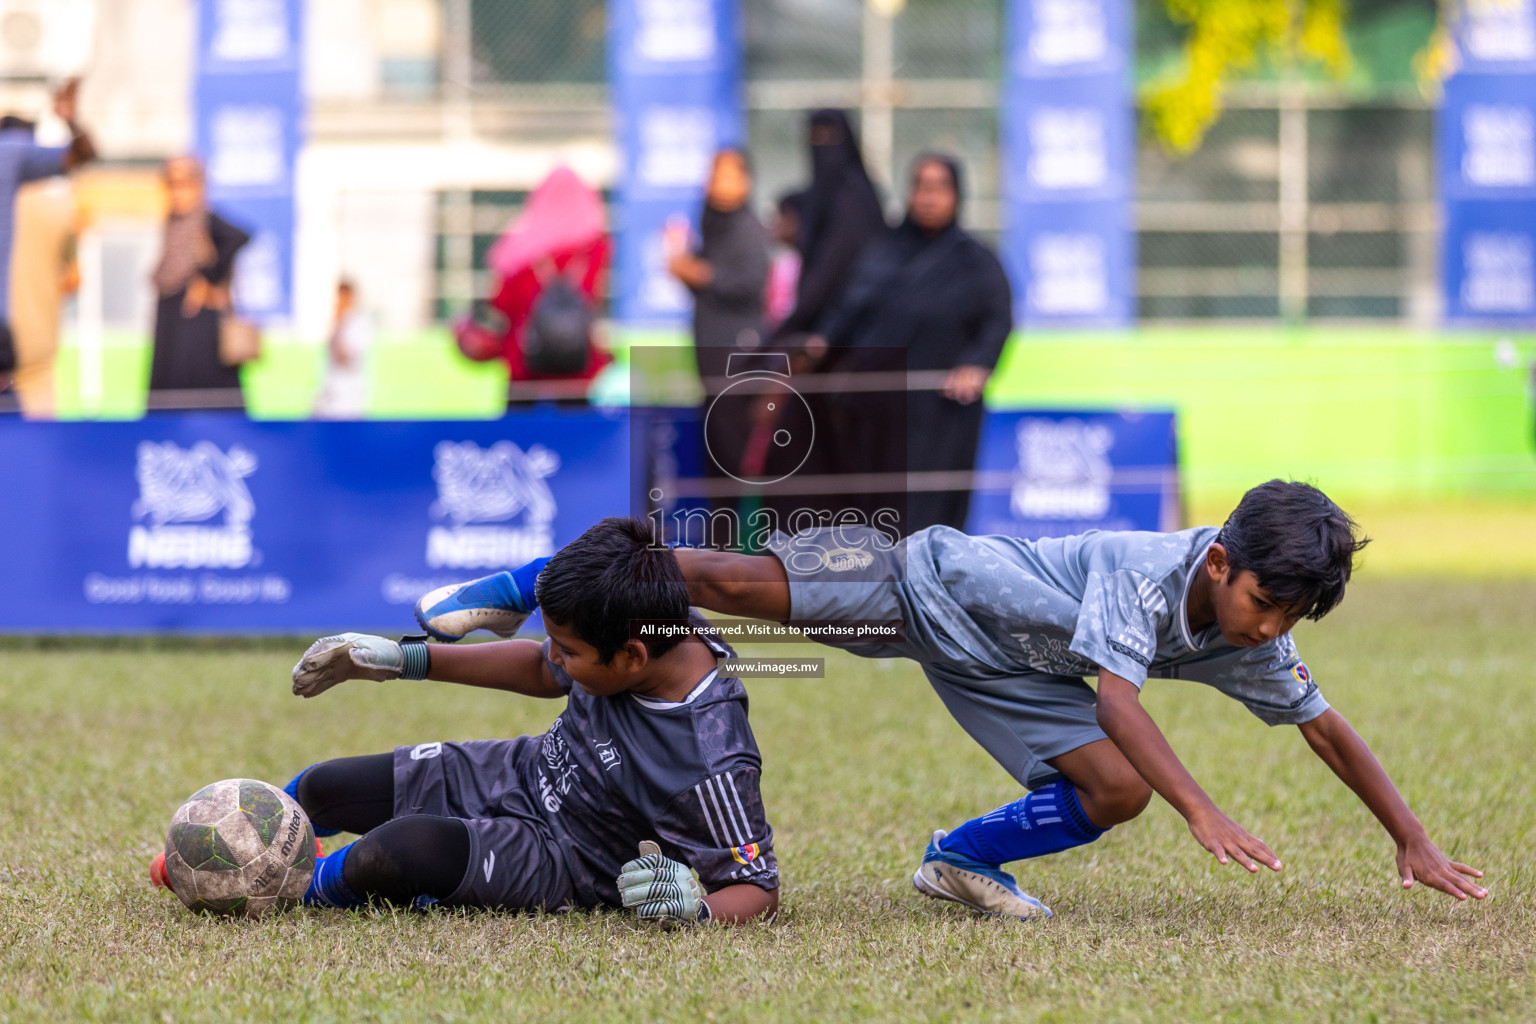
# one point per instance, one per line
(511, 590)
(329, 887)
(292, 789)
(1046, 821)
(525, 578)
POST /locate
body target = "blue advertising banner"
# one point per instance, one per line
(248, 121)
(1486, 152)
(1069, 162)
(673, 83)
(210, 522)
(1052, 474)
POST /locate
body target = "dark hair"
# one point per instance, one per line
(1299, 544)
(15, 123)
(613, 573)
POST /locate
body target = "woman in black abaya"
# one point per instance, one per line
(840, 215)
(931, 289)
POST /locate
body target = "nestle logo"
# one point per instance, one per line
(180, 491)
(491, 485)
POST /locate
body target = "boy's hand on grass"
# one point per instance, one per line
(658, 888)
(1419, 860)
(1230, 841)
(335, 659)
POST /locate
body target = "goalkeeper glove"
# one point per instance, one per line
(334, 659)
(658, 888)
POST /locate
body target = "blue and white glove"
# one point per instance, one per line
(500, 603)
(335, 659)
(658, 888)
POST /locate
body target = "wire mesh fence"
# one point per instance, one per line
(1243, 228)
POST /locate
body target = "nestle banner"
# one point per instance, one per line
(1069, 162)
(249, 126)
(1486, 148)
(1052, 474)
(210, 522)
(673, 82)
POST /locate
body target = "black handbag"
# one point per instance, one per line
(558, 340)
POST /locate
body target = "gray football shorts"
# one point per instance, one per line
(514, 862)
(1022, 720)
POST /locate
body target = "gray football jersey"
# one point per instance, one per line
(1073, 605)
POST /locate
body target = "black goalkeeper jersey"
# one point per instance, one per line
(612, 771)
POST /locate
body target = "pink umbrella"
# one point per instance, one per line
(562, 215)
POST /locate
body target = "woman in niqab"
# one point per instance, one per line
(840, 214)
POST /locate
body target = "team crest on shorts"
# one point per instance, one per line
(1302, 676)
(847, 559)
(746, 854)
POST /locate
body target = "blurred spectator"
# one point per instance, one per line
(549, 268)
(344, 387)
(193, 282)
(930, 288)
(43, 271)
(841, 213)
(727, 274)
(784, 269)
(22, 161)
(728, 270)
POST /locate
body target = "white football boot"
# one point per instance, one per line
(492, 602)
(983, 887)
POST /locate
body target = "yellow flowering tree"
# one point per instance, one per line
(1226, 38)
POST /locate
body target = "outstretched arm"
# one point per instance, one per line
(1334, 740)
(749, 586)
(518, 666)
(1127, 723)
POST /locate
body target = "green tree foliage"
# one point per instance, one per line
(1229, 37)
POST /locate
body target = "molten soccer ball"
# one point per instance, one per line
(241, 848)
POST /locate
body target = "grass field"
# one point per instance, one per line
(101, 743)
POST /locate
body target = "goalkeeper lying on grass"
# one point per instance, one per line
(1006, 629)
(653, 745)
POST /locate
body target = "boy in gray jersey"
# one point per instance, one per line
(1005, 630)
(653, 747)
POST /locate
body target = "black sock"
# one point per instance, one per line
(349, 794)
(417, 855)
